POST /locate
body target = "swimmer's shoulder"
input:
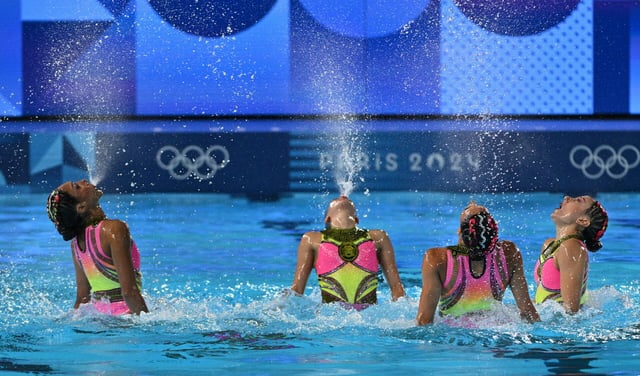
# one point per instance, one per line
(114, 226)
(511, 252)
(438, 254)
(313, 236)
(377, 234)
(509, 247)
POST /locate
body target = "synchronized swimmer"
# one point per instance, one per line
(347, 259)
(106, 259)
(473, 274)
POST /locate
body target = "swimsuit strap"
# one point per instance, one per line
(458, 249)
(347, 240)
(551, 249)
(461, 249)
(344, 234)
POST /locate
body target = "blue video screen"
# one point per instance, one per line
(146, 58)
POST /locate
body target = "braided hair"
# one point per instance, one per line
(61, 209)
(479, 233)
(597, 227)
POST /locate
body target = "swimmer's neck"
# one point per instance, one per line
(342, 222)
(342, 225)
(567, 231)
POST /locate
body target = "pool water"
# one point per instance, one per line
(215, 268)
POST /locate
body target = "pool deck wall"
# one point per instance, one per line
(265, 158)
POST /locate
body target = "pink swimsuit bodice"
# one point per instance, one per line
(462, 292)
(101, 272)
(347, 267)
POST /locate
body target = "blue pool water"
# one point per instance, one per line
(215, 267)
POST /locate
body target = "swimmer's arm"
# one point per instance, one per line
(115, 235)
(83, 289)
(572, 263)
(431, 286)
(388, 263)
(306, 259)
(518, 284)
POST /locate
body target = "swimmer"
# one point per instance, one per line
(562, 268)
(346, 259)
(106, 259)
(474, 274)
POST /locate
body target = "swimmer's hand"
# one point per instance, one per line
(289, 292)
(403, 298)
(283, 299)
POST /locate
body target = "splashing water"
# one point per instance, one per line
(85, 144)
(94, 176)
(349, 156)
(99, 166)
(336, 92)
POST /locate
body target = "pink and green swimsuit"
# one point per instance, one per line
(101, 273)
(547, 275)
(347, 267)
(463, 292)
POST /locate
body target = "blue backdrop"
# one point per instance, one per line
(230, 58)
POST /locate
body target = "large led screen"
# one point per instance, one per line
(299, 57)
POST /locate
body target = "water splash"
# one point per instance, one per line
(84, 141)
(104, 147)
(348, 156)
(95, 176)
(350, 163)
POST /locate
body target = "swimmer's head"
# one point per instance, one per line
(478, 231)
(61, 209)
(599, 220)
(341, 213)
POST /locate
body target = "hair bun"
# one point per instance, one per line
(598, 226)
(479, 233)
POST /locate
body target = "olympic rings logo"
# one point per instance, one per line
(604, 159)
(192, 161)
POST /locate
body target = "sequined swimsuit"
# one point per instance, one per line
(347, 267)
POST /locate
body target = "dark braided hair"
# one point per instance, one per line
(595, 231)
(479, 233)
(61, 209)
